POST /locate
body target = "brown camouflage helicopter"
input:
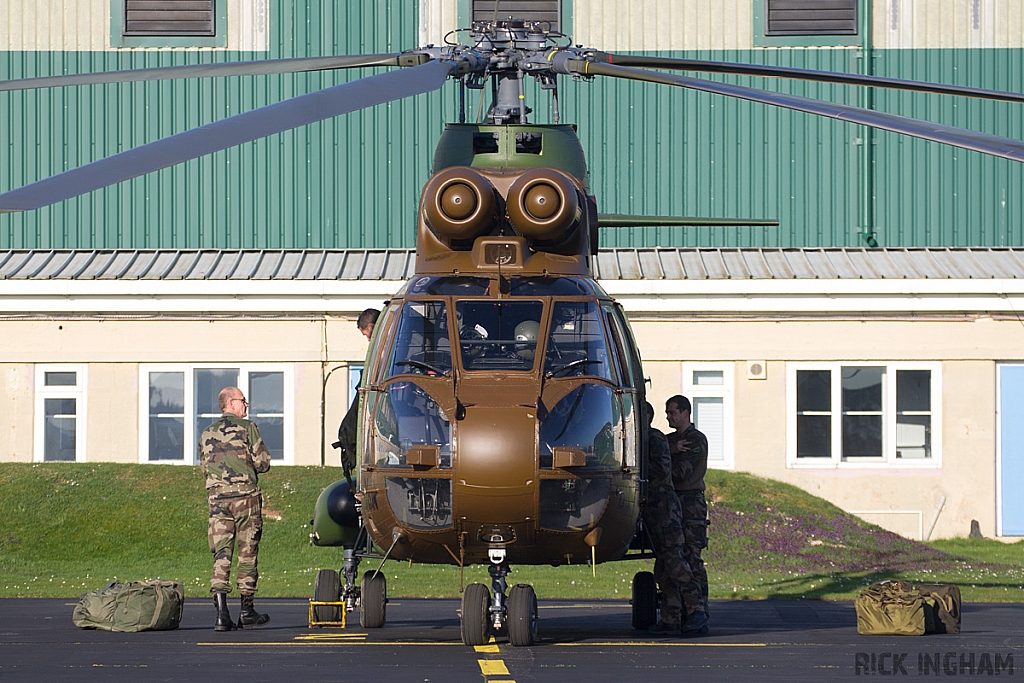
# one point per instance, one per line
(499, 416)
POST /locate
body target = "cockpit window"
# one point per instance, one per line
(548, 286)
(576, 342)
(406, 416)
(498, 335)
(450, 286)
(421, 341)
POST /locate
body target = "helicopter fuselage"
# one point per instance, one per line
(500, 413)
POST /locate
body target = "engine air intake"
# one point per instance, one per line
(458, 204)
(544, 205)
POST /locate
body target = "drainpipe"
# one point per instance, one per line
(867, 153)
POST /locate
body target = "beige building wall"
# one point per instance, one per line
(318, 351)
(17, 396)
(84, 25)
(907, 500)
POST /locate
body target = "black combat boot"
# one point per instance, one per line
(249, 615)
(695, 626)
(223, 623)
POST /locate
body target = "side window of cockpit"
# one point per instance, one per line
(374, 349)
(421, 342)
(576, 341)
(630, 354)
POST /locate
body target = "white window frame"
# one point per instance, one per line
(725, 391)
(190, 456)
(888, 459)
(77, 392)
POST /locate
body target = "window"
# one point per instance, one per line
(547, 12)
(869, 413)
(178, 402)
(811, 17)
(60, 413)
(169, 18)
(800, 23)
(710, 390)
(174, 23)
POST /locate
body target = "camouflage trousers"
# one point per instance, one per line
(680, 592)
(235, 520)
(695, 531)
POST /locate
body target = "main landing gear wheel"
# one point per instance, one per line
(522, 615)
(476, 601)
(327, 588)
(373, 601)
(645, 601)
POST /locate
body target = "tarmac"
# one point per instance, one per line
(580, 640)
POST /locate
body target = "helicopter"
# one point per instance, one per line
(499, 416)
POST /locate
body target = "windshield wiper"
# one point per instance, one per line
(423, 366)
(569, 366)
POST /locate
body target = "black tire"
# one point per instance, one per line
(645, 601)
(476, 602)
(373, 600)
(327, 588)
(522, 615)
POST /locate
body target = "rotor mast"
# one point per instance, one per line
(509, 42)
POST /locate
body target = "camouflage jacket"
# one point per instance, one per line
(232, 455)
(689, 459)
(659, 467)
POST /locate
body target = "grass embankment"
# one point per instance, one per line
(71, 527)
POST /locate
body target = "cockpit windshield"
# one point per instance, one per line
(576, 342)
(421, 340)
(498, 335)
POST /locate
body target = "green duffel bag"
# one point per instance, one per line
(942, 607)
(95, 609)
(128, 607)
(890, 608)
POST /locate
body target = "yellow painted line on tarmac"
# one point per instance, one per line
(492, 667)
(487, 649)
(333, 636)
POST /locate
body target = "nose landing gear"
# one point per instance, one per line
(483, 612)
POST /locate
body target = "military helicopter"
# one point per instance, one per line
(499, 416)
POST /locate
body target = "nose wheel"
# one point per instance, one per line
(522, 615)
(485, 611)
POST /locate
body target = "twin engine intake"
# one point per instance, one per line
(543, 205)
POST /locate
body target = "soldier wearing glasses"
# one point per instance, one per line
(233, 455)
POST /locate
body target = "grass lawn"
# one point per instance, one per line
(71, 527)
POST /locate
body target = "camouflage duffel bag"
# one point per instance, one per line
(127, 607)
(890, 608)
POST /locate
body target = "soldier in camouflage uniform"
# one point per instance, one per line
(663, 518)
(346, 442)
(689, 449)
(233, 455)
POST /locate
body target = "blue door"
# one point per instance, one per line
(1011, 449)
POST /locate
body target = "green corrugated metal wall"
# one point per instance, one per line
(354, 182)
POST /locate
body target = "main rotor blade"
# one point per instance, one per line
(622, 220)
(213, 137)
(1007, 148)
(253, 68)
(811, 75)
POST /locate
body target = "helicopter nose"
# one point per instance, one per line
(496, 473)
